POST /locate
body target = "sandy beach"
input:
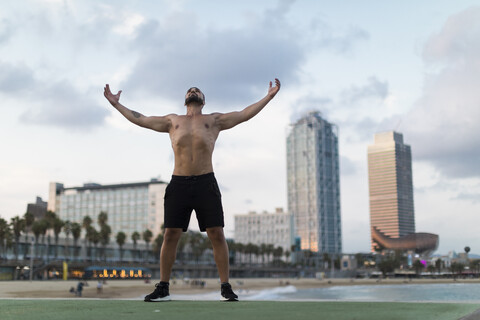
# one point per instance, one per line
(133, 289)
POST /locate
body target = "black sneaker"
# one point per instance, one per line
(160, 293)
(227, 293)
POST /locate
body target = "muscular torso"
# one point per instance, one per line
(193, 140)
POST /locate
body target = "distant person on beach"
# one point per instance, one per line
(193, 185)
(99, 287)
(80, 288)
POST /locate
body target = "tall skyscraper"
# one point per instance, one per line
(390, 186)
(314, 183)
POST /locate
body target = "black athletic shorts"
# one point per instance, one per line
(200, 193)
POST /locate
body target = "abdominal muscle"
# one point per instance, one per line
(193, 147)
(192, 163)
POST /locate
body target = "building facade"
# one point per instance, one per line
(313, 183)
(38, 209)
(265, 228)
(390, 186)
(130, 207)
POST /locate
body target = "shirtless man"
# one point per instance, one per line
(193, 185)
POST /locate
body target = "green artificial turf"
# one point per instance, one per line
(244, 310)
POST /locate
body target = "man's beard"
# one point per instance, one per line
(193, 98)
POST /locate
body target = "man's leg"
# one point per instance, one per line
(169, 252)
(167, 259)
(220, 252)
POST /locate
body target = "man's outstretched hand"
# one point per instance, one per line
(272, 91)
(114, 98)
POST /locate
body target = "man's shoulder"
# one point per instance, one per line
(215, 115)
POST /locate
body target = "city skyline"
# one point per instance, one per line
(367, 66)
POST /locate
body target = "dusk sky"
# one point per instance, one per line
(367, 66)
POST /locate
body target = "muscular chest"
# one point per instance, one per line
(196, 133)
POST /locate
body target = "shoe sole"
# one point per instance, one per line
(228, 299)
(165, 299)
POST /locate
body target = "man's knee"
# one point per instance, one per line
(216, 234)
(172, 235)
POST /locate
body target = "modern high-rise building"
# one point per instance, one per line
(130, 206)
(313, 183)
(390, 186)
(265, 228)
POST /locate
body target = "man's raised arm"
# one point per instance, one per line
(229, 120)
(161, 124)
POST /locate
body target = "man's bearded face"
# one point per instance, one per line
(194, 95)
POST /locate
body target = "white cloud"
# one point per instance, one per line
(6, 30)
(62, 105)
(443, 126)
(229, 64)
(373, 89)
(14, 78)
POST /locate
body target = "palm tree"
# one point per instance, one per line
(50, 217)
(67, 228)
(326, 260)
(105, 232)
(57, 225)
(256, 251)
(182, 243)
(29, 218)
(135, 237)
(198, 244)
(43, 232)
(277, 253)
(121, 237)
(102, 218)
(241, 250)
(147, 237)
(232, 250)
(87, 224)
(4, 235)
(76, 231)
(157, 245)
(249, 249)
(287, 255)
(263, 251)
(270, 250)
(93, 237)
(37, 229)
(438, 265)
(18, 226)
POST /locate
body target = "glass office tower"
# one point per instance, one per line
(314, 183)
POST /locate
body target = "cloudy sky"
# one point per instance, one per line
(368, 66)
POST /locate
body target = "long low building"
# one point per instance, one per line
(130, 206)
(265, 228)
